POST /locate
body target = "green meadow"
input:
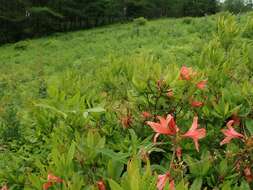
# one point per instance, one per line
(71, 105)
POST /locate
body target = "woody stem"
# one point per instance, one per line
(172, 157)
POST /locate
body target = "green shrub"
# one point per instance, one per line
(227, 30)
(141, 21)
(248, 29)
(187, 20)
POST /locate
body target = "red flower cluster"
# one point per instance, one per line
(51, 180)
(146, 115)
(248, 175)
(166, 126)
(202, 84)
(197, 104)
(186, 73)
(230, 133)
(194, 133)
(101, 185)
(163, 179)
(126, 121)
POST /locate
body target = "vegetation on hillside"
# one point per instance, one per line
(148, 105)
(20, 19)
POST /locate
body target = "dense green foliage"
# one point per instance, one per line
(71, 105)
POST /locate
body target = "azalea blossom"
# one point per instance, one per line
(248, 175)
(55, 179)
(101, 185)
(179, 153)
(230, 133)
(195, 133)
(163, 179)
(197, 104)
(170, 93)
(47, 185)
(4, 187)
(186, 73)
(126, 121)
(51, 179)
(202, 84)
(166, 126)
(146, 115)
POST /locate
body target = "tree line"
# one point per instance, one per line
(20, 19)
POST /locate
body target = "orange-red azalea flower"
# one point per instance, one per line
(197, 104)
(163, 179)
(101, 185)
(202, 84)
(170, 93)
(185, 73)
(51, 179)
(146, 115)
(4, 187)
(195, 133)
(248, 175)
(47, 185)
(55, 179)
(166, 126)
(126, 121)
(179, 153)
(230, 133)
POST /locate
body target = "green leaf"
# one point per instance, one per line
(52, 109)
(223, 167)
(197, 183)
(114, 169)
(182, 186)
(71, 153)
(249, 125)
(114, 185)
(93, 110)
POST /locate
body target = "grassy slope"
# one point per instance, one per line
(168, 40)
(90, 55)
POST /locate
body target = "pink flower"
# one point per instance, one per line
(126, 121)
(195, 133)
(4, 187)
(55, 179)
(146, 115)
(202, 84)
(166, 126)
(179, 153)
(51, 179)
(170, 93)
(101, 185)
(185, 73)
(163, 179)
(230, 133)
(197, 104)
(248, 175)
(47, 185)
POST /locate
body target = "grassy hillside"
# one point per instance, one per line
(72, 105)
